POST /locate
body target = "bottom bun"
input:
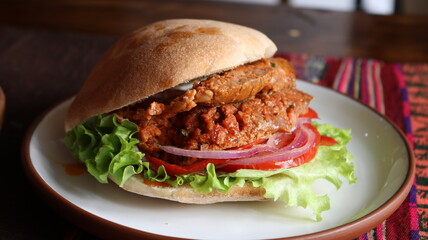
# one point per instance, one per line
(185, 193)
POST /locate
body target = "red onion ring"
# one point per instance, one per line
(295, 149)
(223, 154)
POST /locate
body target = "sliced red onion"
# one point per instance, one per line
(299, 139)
(276, 139)
(223, 154)
(293, 150)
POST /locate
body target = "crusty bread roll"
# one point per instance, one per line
(160, 56)
(163, 55)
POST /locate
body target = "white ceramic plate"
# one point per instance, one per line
(383, 160)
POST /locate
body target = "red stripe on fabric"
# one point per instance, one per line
(342, 83)
(379, 231)
(406, 110)
(364, 83)
(332, 68)
(338, 77)
(392, 95)
(398, 225)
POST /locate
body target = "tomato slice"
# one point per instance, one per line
(328, 141)
(173, 169)
(310, 114)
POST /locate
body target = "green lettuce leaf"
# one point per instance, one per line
(108, 149)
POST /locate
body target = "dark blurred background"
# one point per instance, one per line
(381, 7)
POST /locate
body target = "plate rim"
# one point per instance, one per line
(108, 229)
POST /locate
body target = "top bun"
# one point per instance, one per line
(163, 55)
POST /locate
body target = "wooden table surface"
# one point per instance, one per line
(47, 48)
(388, 38)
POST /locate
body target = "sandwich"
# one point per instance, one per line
(199, 111)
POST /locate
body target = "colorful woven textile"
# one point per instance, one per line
(401, 93)
(416, 77)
